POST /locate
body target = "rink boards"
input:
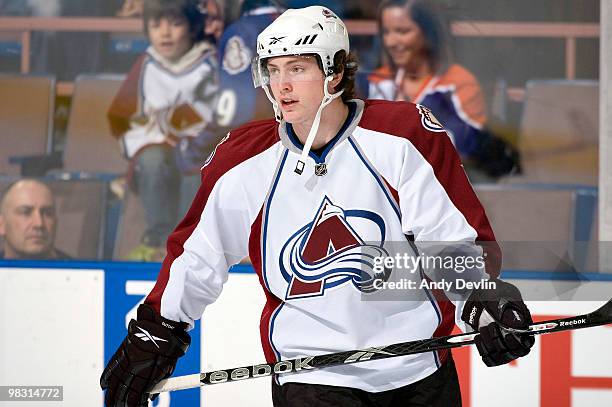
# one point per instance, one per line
(60, 325)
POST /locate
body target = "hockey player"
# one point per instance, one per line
(304, 197)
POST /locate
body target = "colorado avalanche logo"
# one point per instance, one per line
(428, 120)
(328, 252)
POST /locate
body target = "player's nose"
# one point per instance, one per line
(285, 84)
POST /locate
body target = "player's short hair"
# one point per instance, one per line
(190, 10)
(348, 64)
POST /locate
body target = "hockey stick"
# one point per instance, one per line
(601, 316)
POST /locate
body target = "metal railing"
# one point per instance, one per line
(21, 29)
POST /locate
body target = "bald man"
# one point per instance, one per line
(28, 222)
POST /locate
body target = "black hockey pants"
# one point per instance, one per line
(441, 389)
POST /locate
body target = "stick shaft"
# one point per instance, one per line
(601, 316)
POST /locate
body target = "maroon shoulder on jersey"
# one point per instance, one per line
(241, 144)
(405, 120)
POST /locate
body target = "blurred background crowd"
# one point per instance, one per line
(108, 109)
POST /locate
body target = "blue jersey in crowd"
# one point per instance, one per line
(238, 100)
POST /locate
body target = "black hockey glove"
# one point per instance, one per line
(486, 311)
(147, 355)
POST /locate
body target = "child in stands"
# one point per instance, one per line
(165, 102)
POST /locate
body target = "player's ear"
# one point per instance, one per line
(2, 227)
(336, 79)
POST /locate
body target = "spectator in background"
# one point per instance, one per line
(237, 47)
(214, 11)
(167, 99)
(28, 222)
(418, 69)
(131, 9)
(238, 101)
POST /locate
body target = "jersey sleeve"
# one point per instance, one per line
(214, 235)
(439, 207)
(433, 177)
(211, 238)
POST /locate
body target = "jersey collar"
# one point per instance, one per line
(292, 143)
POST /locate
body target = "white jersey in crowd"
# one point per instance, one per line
(391, 171)
(162, 101)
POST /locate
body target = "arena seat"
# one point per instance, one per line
(26, 113)
(538, 227)
(90, 146)
(559, 132)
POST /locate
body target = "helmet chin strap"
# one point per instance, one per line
(278, 114)
(299, 168)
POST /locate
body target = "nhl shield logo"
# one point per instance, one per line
(320, 169)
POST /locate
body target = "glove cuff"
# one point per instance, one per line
(472, 310)
(172, 340)
(147, 313)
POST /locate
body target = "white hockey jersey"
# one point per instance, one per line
(390, 172)
(162, 102)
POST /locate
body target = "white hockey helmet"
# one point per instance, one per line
(310, 30)
(313, 30)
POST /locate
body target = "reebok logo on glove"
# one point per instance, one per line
(472, 315)
(145, 336)
(167, 325)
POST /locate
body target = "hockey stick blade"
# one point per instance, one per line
(601, 316)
